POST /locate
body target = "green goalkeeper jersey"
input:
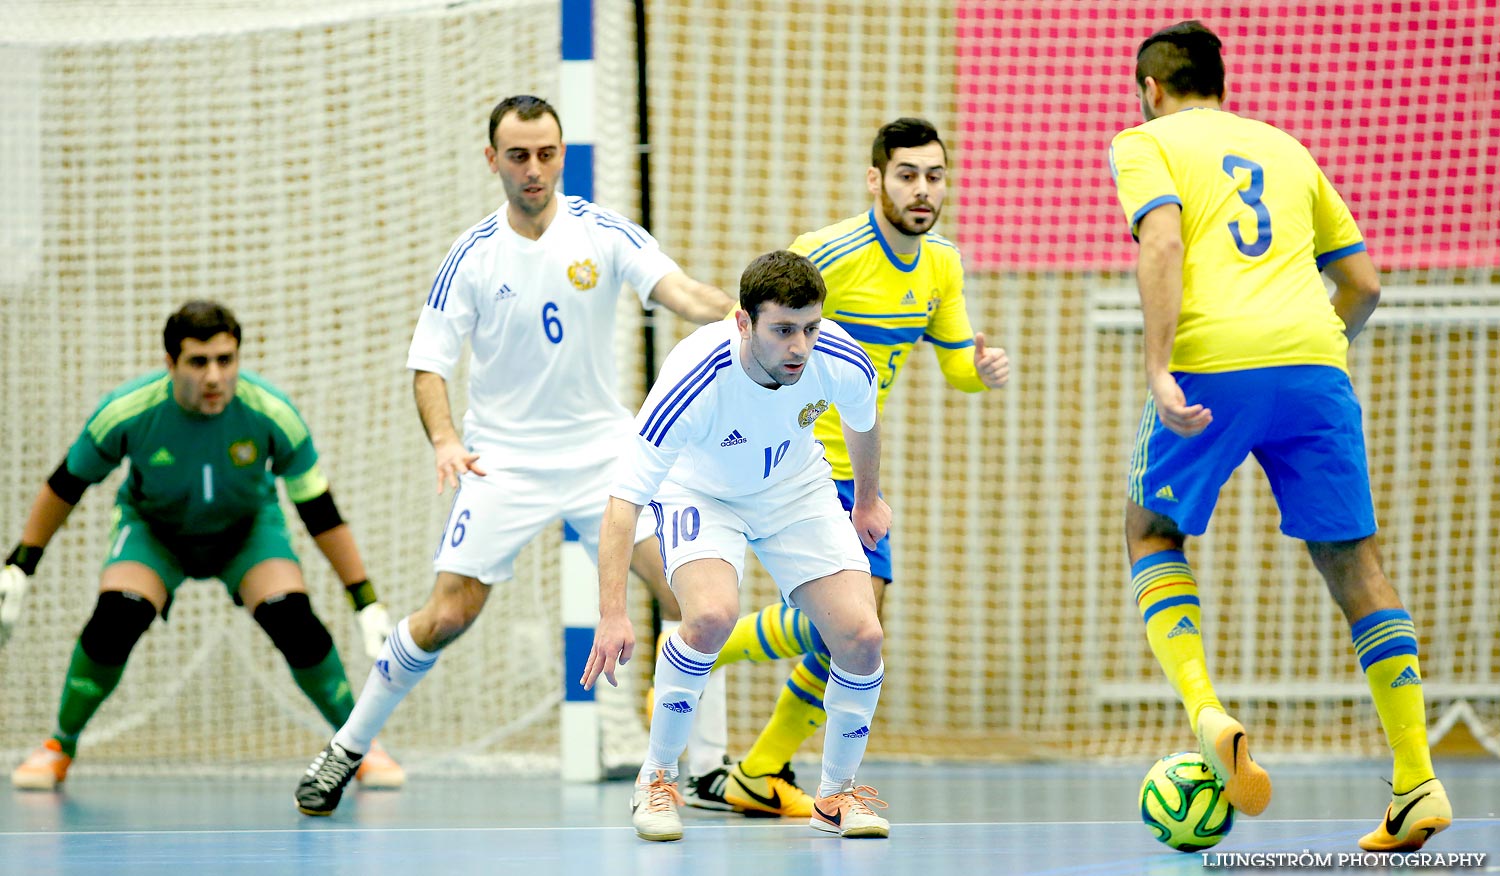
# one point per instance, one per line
(193, 475)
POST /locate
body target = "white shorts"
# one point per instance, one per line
(495, 516)
(798, 529)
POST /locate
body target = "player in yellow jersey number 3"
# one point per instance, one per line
(1246, 354)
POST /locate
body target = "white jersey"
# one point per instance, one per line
(539, 316)
(707, 426)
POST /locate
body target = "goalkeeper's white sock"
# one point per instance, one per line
(399, 667)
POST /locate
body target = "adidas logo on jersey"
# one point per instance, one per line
(384, 668)
(504, 293)
(1184, 628)
(163, 457)
(1166, 493)
(734, 438)
(909, 298)
(1407, 676)
(861, 733)
(681, 707)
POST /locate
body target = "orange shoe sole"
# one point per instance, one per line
(1248, 786)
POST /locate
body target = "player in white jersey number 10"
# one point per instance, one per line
(532, 290)
(724, 454)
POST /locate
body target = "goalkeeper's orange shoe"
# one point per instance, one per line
(42, 770)
(1411, 819)
(379, 771)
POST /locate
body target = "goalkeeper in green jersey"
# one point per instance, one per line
(206, 443)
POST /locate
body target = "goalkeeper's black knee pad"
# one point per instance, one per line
(295, 631)
(118, 622)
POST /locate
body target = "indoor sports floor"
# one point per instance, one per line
(947, 819)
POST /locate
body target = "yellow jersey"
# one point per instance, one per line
(1259, 222)
(888, 302)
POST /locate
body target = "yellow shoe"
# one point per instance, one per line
(848, 813)
(771, 794)
(1411, 819)
(379, 771)
(1223, 743)
(42, 770)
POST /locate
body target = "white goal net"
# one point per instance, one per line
(308, 165)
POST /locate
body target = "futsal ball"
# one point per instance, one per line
(1182, 803)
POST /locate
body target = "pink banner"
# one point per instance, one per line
(1398, 101)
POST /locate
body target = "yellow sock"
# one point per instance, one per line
(1386, 643)
(798, 715)
(1167, 596)
(773, 633)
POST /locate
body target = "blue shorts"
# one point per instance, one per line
(1301, 422)
(880, 558)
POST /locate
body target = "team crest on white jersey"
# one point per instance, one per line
(811, 413)
(243, 453)
(583, 275)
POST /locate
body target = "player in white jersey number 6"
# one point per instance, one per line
(724, 453)
(532, 288)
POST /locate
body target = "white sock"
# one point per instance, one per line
(850, 702)
(681, 675)
(399, 667)
(708, 743)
